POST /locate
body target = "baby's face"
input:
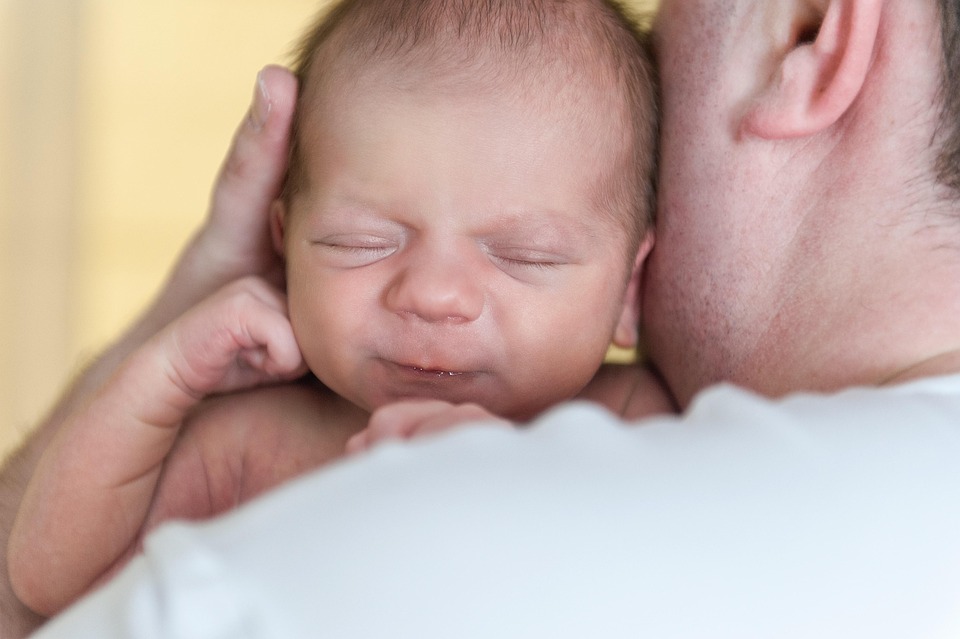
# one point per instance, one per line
(450, 247)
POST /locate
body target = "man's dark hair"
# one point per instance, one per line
(948, 160)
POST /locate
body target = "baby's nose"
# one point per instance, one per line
(437, 287)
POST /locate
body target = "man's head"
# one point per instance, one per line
(470, 193)
(807, 189)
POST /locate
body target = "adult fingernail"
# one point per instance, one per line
(260, 110)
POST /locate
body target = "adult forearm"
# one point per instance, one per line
(15, 619)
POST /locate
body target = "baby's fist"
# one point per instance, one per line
(237, 338)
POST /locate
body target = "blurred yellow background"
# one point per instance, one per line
(114, 117)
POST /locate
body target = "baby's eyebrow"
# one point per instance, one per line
(544, 226)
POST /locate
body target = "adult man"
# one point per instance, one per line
(806, 241)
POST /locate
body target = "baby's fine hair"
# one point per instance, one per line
(590, 43)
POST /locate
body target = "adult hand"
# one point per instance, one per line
(413, 418)
(234, 240)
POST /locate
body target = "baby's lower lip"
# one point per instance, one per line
(392, 381)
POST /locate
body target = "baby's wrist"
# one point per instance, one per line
(154, 391)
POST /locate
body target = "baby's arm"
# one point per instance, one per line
(92, 489)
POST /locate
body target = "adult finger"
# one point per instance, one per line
(252, 174)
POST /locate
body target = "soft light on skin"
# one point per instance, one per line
(448, 245)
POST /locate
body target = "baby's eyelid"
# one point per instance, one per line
(355, 241)
(528, 256)
(519, 263)
(347, 251)
(538, 264)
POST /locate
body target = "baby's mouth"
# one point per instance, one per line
(438, 373)
(446, 381)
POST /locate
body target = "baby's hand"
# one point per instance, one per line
(238, 338)
(412, 418)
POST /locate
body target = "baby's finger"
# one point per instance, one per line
(458, 416)
(359, 442)
(400, 419)
(268, 332)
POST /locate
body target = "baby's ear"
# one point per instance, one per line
(626, 334)
(820, 74)
(278, 220)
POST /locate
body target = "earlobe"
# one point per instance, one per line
(278, 215)
(817, 82)
(627, 332)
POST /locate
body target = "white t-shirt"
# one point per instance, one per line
(811, 516)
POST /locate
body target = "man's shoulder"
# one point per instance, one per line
(907, 405)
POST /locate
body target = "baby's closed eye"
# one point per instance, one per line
(527, 258)
(357, 249)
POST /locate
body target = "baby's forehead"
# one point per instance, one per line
(594, 143)
(485, 107)
(543, 91)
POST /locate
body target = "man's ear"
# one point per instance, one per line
(627, 332)
(278, 220)
(817, 81)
